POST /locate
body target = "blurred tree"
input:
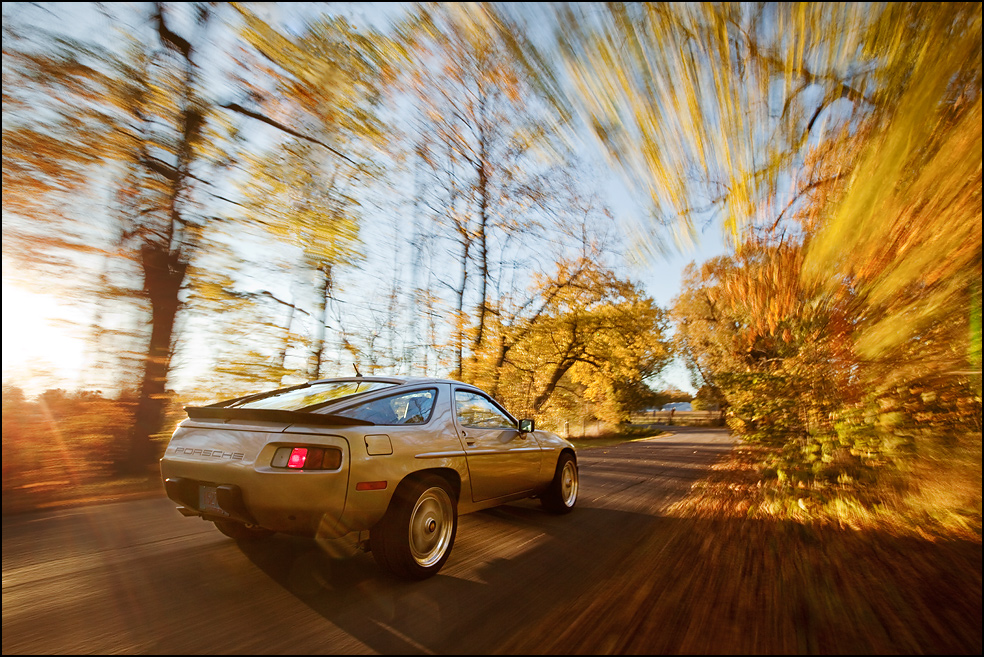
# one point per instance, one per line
(909, 246)
(148, 120)
(594, 338)
(839, 145)
(477, 134)
(152, 134)
(753, 111)
(706, 108)
(258, 348)
(764, 342)
(707, 399)
(328, 82)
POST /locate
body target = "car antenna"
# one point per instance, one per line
(357, 372)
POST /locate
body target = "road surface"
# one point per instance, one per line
(137, 577)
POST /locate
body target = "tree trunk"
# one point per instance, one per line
(164, 274)
(503, 351)
(483, 249)
(547, 392)
(318, 348)
(460, 316)
(282, 356)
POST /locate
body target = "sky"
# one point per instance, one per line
(37, 342)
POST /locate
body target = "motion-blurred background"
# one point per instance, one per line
(590, 210)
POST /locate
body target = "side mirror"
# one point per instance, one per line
(526, 426)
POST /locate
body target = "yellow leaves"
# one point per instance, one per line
(328, 79)
(907, 233)
(685, 97)
(594, 331)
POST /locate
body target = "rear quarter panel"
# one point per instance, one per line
(431, 447)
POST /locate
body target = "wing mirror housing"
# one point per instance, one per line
(526, 426)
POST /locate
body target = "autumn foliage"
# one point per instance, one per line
(840, 146)
(413, 202)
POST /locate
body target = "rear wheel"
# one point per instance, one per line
(561, 496)
(415, 537)
(241, 532)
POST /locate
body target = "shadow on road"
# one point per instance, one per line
(467, 607)
(680, 586)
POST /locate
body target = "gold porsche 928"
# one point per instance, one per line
(391, 462)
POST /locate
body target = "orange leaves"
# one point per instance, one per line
(760, 286)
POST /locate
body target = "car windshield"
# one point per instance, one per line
(316, 394)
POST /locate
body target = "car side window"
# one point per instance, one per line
(474, 410)
(409, 408)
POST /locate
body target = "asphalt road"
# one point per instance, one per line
(137, 577)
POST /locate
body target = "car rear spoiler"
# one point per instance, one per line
(272, 415)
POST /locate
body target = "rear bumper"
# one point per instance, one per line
(229, 497)
(300, 503)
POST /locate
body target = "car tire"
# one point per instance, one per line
(415, 537)
(241, 532)
(561, 495)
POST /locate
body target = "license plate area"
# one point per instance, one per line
(208, 501)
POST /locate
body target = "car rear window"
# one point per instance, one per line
(316, 394)
(411, 408)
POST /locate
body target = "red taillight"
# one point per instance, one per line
(307, 458)
(298, 457)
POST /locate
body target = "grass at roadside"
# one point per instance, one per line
(625, 434)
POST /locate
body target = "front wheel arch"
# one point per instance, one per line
(561, 494)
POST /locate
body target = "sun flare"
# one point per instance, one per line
(34, 347)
